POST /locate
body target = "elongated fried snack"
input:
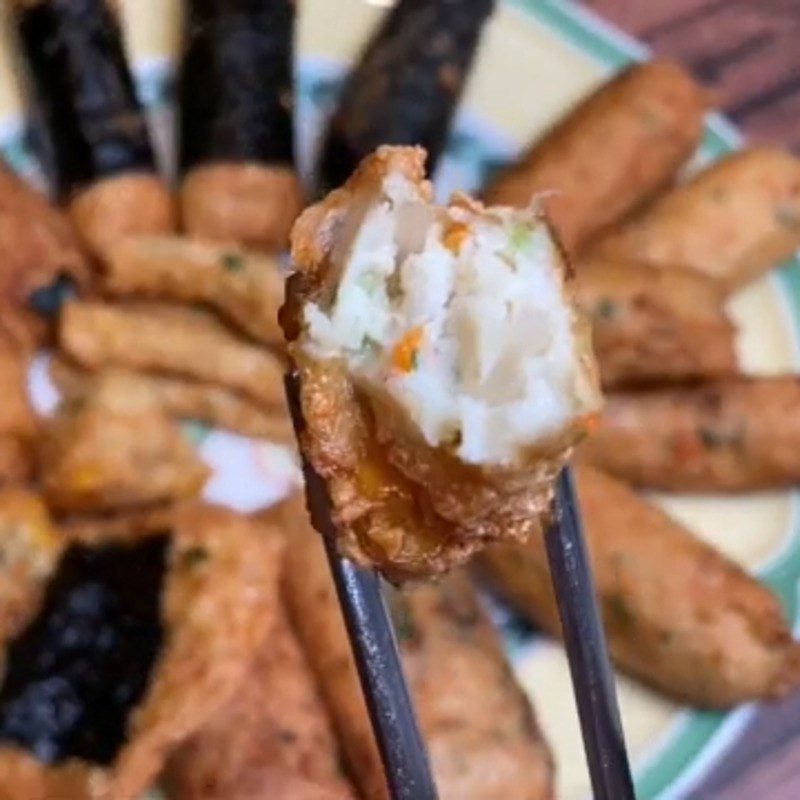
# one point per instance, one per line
(185, 400)
(236, 135)
(244, 287)
(407, 83)
(115, 448)
(18, 423)
(274, 730)
(40, 261)
(732, 222)
(97, 131)
(725, 436)
(482, 737)
(137, 644)
(655, 326)
(678, 615)
(174, 340)
(614, 151)
(445, 372)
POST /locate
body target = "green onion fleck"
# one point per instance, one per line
(521, 237)
(194, 556)
(606, 309)
(232, 261)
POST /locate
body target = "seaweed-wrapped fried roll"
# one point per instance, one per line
(99, 143)
(407, 84)
(236, 134)
(446, 373)
(117, 650)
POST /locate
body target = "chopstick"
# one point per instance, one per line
(405, 758)
(592, 678)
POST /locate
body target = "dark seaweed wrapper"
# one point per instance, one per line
(407, 84)
(236, 83)
(95, 126)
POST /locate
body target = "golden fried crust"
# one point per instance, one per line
(245, 287)
(451, 655)
(612, 153)
(218, 605)
(172, 339)
(678, 615)
(119, 206)
(16, 460)
(184, 399)
(249, 204)
(274, 728)
(402, 506)
(115, 448)
(732, 222)
(655, 326)
(37, 245)
(724, 436)
(18, 423)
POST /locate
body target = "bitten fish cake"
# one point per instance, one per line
(445, 371)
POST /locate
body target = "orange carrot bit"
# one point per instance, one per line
(591, 422)
(455, 236)
(404, 353)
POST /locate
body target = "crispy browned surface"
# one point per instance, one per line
(655, 326)
(37, 245)
(612, 153)
(249, 204)
(400, 505)
(678, 615)
(173, 340)
(29, 551)
(245, 287)
(119, 206)
(725, 436)
(115, 448)
(481, 734)
(18, 424)
(732, 222)
(216, 610)
(16, 460)
(274, 729)
(186, 399)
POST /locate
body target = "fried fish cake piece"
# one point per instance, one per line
(187, 399)
(245, 287)
(40, 261)
(274, 730)
(18, 423)
(733, 221)
(678, 615)
(481, 733)
(613, 152)
(724, 436)
(655, 326)
(172, 340)
(115, 448)
(445, 371)
(168, 622)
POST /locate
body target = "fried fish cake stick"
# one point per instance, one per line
(97, 132)
(171, 340)
(115, 448)
(479, 728)
(678, 615)
(275, 726)
(611, 153)
(18, 424)
(186, 399)
(244, 287)
(655, 326)
(40, 261)
(236, 100)
(732, 222)
(446, 371)
(727, 436)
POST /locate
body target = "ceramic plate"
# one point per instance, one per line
(538, 57)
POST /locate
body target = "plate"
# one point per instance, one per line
(569, 52)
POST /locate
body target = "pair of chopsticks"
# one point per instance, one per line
(408, 774)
